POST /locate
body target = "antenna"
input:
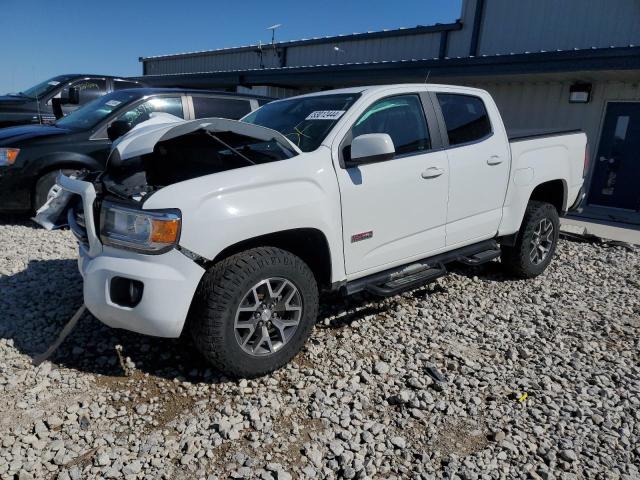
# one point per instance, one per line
(273, 29)
(33, 69)
(428, 74)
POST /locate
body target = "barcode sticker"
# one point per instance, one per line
(325, 115)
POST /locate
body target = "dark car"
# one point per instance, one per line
(32, 155)
(38, 103)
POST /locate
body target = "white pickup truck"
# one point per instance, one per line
(229, 229)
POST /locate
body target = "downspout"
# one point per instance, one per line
(444, 43)
(477, 25)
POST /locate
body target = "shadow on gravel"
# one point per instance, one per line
(38, 301)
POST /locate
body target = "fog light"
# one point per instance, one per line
(126, 292)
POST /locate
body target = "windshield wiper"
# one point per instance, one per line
(247, 159)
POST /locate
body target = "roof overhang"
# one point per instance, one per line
(330, 76)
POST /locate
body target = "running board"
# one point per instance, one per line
(480, 257)
(413, 275)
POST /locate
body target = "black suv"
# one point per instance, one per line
(32, 155)
(38, 103)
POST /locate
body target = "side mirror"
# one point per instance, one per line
(118, 129)
(70, 97)
(370, 148)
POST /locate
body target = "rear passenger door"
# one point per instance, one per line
(394, 210)
(479, 156)
(220, 107)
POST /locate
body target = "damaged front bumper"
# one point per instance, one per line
(164, 288)
(148, 294)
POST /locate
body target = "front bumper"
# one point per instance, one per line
(169, 284)
(169, 280)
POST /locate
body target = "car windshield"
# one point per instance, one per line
(305, 121)
(94, 112)
(45, 87)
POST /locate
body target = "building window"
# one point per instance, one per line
(465, 117)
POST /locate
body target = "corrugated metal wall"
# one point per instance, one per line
(545, 105)
(407, 47)
(534, 25)
(508, 26)
(212, 62)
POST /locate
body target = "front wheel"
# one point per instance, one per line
(254, 311)
(536, 243)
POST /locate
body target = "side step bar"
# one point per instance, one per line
(407, 277)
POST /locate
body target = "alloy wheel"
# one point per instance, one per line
(541, 241)
(268, 316)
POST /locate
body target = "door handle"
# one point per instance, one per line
(432, 172)
(494, 160)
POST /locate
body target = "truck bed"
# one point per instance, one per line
(521, 135)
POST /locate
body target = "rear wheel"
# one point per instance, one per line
(254, 311)
(45, 186)
(536, 243)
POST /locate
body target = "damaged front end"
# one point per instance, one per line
(108, 207)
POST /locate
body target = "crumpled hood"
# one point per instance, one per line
(143, 138)
(26, 132)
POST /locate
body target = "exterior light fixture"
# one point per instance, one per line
(580, 93)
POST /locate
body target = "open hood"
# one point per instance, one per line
(143, 138)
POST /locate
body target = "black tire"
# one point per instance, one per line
(517, 259)
(44, 184)
(223, 288)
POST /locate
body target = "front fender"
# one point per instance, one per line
(222, 209)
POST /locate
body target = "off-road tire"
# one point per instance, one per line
(44, 184)
(516, 260)
(212, 315)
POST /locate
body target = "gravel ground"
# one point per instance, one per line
(541, 380)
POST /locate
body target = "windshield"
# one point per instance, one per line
(45, 87)
(94, 112)
(305, 121)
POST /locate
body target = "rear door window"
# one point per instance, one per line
(90, 88)
(465, 117)
(233, 108)
(122, 84)
(143, 111)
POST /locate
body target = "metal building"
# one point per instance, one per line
(548, 63)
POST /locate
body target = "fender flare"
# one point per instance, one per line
(59, 160)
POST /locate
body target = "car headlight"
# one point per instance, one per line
(8, 156)
(148, 231)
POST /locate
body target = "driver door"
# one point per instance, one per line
(395, 211)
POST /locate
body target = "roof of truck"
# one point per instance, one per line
(375, 88)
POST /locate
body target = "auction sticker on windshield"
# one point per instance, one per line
(53, 83)
(325, 115)
(113, 103)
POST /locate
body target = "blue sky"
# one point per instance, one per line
(43, 38)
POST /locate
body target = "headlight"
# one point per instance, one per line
(149, 231)
(8, 156)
